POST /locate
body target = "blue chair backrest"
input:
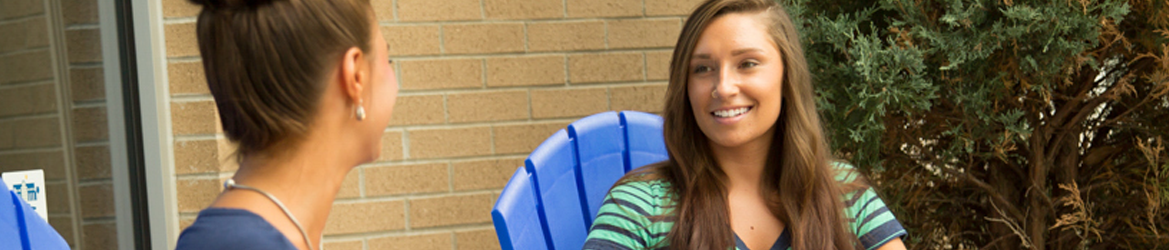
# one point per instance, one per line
(564, 181)
(22, 228)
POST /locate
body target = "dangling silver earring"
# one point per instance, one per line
(360, 111)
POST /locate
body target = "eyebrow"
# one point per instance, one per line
(733, 53)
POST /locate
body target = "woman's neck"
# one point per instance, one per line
(306, 180)
(744, 164)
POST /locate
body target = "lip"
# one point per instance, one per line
(731, 120)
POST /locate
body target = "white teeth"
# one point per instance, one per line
(730, 112)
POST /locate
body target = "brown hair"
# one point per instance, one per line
(266, 62)
(799, 184)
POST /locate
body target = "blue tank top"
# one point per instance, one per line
(225, 228)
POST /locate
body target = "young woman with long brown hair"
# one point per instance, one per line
(306, 89)
(749, 167)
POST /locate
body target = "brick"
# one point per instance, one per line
(442, 74)
(80, 11)
(187, 78)
(99, 236)
(64, 227)
(57, 196)
(196, 194)
(26, 34)
(433, 241)
(177, 8)
(20, 8)
(89, 124)
(646, 98)
(366, 217)
(391, 146)
(96, 200)
(190, 118)
(483, 38)
(523, 9)
(444, 143)
(644, 33)
(429, 10)
(52, 162)
(181, 40)
(6, 136)
(383, 9)
(14, 36)
(412, 39)
(87, 84)
(38, 33)
(346, 245)
(418, 109)
(566, 36)
(670, 7)
(198, 156)
(351, 185)
(603, 8)
(29, 99)
(407, 179)
(25, 67)
(657, 65)
(488, 106)
(92, 162)
(607, 67)
(523, 138)
(84, 46)
(483, 239)
(560, 103)
(484, 174)
(525, 71)
(40, 132)
(451, 210)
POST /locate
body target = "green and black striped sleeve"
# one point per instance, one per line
(631, 217)
(870, 219)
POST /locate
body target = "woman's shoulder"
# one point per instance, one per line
(223, 228)
(642, 188)
(845, 172)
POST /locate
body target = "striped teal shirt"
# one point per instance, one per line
(636, 215)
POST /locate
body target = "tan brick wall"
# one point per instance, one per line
(483, 83)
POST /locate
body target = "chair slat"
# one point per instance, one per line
(600, 145)
(553, 165)
(644, 137)
(516, 222)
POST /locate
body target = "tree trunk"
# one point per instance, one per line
(1036, 187)
(1001, 180)
(1066, 171)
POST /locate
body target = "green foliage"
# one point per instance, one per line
(976, 111)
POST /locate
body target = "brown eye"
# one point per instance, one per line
(748, 65)
(701, 69)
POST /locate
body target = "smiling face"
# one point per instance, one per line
(735, 80)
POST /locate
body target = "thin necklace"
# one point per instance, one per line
(230, 184)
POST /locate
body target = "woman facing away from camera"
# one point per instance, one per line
(306, 89)
(749, 167)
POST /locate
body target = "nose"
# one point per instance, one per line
(728, 83)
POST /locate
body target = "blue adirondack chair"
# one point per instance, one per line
(22, 228)
(551, 201)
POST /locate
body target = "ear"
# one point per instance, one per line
(354, 74)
